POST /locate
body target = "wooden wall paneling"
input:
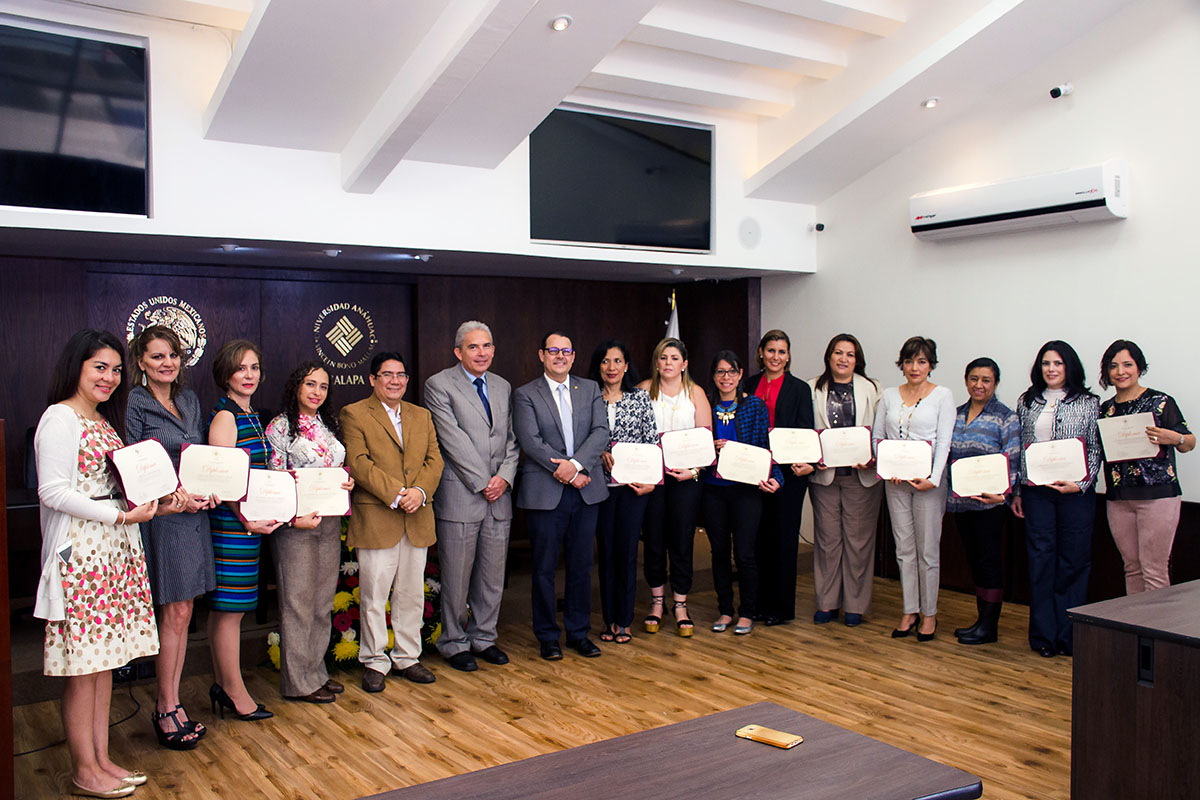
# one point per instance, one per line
(6, 697)
(42, 302)
(229, 308)
(300, 317)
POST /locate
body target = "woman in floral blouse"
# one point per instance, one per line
(307, 552)
(1143, 495)
(630, 419)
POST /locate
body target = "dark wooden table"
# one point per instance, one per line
(702, 758)
(1135, 700)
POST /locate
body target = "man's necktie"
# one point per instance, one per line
(564, 413)
(483, 398)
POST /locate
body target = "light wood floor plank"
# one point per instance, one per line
(998, 711)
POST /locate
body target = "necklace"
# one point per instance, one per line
(726, 413)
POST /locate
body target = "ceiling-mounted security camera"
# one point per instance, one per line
(1062, 90)
(817, 226)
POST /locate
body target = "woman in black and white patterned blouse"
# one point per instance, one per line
(1143, 495)
(630, 419)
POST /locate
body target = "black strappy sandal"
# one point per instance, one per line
(178, 738)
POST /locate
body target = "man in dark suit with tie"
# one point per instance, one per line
(562, 427)
(472, 411)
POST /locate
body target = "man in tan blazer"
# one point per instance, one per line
(392, 453)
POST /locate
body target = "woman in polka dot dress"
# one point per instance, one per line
(94, 592)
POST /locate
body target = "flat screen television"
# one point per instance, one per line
(73, 122)
(607, 180)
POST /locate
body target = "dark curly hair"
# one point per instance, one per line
(290, 404)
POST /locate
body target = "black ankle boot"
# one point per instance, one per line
(978, 618)
(989, 623)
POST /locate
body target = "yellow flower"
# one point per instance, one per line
(391, 640)
(345, 650)
(342, 600)
(273, 654)
(434, 634)
(355, 594)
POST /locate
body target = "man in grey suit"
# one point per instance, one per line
(562, 426)
(471, 411)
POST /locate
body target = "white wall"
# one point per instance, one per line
(1003, 296)
(220, 189)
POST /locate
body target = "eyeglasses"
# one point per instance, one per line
(726, 373)
(387, 376)
(566, 351)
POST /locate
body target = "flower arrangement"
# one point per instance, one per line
(344, 628)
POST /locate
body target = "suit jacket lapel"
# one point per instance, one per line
(466, 385)
(381, 416)
(551, 402)
(580, 417)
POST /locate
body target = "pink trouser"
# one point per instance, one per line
(1144, 531)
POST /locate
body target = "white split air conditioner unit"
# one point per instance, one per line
(1084, 194)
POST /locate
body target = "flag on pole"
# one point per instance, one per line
(673, 322)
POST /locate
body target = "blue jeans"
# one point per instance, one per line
(1058, 538)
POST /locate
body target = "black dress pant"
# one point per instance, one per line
(569, 528)
(982, 534)
(617, 531)
(778, 546)
(1058, 539)
(731, 514)
(669, 532)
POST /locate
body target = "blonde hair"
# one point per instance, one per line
(656, 376)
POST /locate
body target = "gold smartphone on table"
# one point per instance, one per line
(757, 733)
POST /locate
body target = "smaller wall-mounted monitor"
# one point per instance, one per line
(73, 122)
(605, 180)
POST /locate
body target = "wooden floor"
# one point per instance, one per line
(998, 711)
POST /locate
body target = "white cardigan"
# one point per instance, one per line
(56, 447)
(866, 397)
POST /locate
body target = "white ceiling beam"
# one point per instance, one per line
(752, 36)
(686, 78)
(228, 14)
(525, 79)
(961, 67)
(876, 17)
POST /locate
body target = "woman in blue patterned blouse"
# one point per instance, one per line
(236, 543)
(630, 419)
(983, 426)
(1058, 517)
(731, 511)
(1143, 495)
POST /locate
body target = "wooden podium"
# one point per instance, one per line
(1135, 705)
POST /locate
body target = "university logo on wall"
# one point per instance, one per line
(178, 315)
(344, 335)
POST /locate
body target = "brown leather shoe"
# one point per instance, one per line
(417, 673)
(333, 686)
(372, 680)
(321, 695)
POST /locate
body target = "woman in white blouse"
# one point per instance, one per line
(920, 410)
(307, 552)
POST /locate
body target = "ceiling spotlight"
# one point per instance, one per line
(930, 102)
(677, 271)
(424, 257)
(332, 252)
(560, 24)
(229, 248)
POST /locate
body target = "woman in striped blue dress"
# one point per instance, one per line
(236, 545)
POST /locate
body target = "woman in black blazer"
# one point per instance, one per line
(789, 405)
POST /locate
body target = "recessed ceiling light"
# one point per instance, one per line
(930, 102)
(560, 24)
(229, 248)
(332, 252)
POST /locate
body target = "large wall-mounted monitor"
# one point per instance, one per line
(74, 130)
(606, 180)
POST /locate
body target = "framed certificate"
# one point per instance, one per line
(906, 459)
(795, 445)
(688, 449)
(976, 475)
(145, 471)
(270, 495)
(637, 463)
(1056, 460)
(221, 471)
(845, 447)
(320, 489)
(744, 463)
(1124, 438)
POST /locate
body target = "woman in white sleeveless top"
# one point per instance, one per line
(669, 528)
